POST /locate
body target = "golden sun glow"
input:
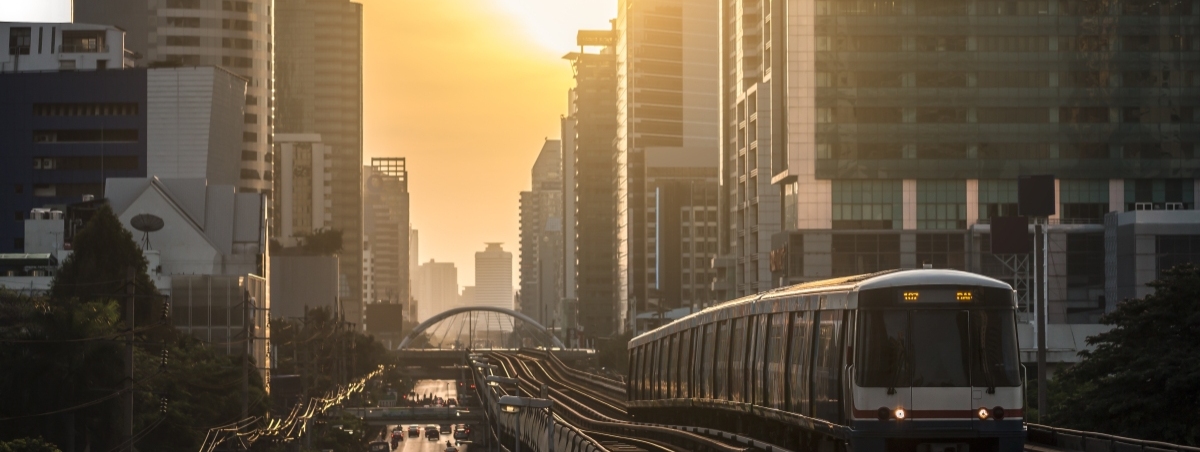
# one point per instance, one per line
(552, 24)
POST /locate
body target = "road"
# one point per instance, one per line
(446, 389)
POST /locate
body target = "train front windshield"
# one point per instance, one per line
(919, 346)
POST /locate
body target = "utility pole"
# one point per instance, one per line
(246, 335)
(131, 295)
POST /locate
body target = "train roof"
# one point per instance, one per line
(877, 280)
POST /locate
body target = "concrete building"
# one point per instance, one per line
(750, 206)
(386, 228)
(318, 70)
(589, 195)
(435, 289)
(667, 123)
(493, 278)
(62, 46)
(234, 34)
(541, 269)
(896, 146)
(299, 283)
(301, 204)
(68, 131)
(210, 257)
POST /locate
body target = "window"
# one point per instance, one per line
(1174, 250)
(1084, 79)
(867, 204)
(183, 22)
(1012, 7)
(108, 162)
(1160, 150)
(855, 254)
(1013, 80)
(19, 40)
(1002, 115)
(1083, 151)
(110, 109)
(944, 115)
(1085, 266)
(1156, 193)
(183, 41)
(183, 4)
(237, 43)
(86, 136)
(249, 174)
(997, 198)
(239, 6)
(237, 24)
(250, 118)
(249, 156)
(1083, 200)
(249, 137)
(1013, 43)
(240, 62)
(941, 79)
(942, 43)
(1010, 151)
(941, 204)
(942, 151)
(1083, 115)
(942, 250)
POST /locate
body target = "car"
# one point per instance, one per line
(379, 446)
(452, 402)
(414, 431)
(461, 434)
(445, 429)
(431, 433)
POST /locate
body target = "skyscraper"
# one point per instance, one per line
(319, 71)
(436, 288)
(895, 146)
(541, 270)
(589, 177)
(236, 35)
(493, 277)
(301, 206)
(386, 228)
(667, 121)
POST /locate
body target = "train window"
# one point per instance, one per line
(707, 361)
(827, 366)
(799, 370)
(721, 376)
(774, 380)
(757, 391)
(883, 350)
(994, 349)
(737, 361)
(939, 348)
(685, 364)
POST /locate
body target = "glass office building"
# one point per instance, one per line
(906, 124)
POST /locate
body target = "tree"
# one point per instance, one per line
(1143, 378)
(104, 251)
(28, 445)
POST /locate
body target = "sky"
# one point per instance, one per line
(467, 91)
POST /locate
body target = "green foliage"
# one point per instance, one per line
(325, 242)
(345, 433)
(1143, 378)
(98, 267)
(324, 350)
(28, 445)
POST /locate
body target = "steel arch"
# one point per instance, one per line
(450, 313)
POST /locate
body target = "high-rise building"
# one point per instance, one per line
(436, 289)
(750, 207)
(318, 68)
(589, 225)
(301, 204)
(896, 146)
(667, 122)
(493, 277)
(236, 35)
(541, 270)
(386, 228)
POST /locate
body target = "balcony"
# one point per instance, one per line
(83, 47)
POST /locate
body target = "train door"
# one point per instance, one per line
(827, 364)
(799, 363)
(995, 374)
(940, 351)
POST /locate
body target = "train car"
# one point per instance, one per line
(896, 361)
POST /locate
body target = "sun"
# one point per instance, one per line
(552, 24)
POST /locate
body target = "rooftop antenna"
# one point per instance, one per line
(146, 223)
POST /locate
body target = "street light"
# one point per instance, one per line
(513, 404)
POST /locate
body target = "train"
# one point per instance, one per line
(908, 360)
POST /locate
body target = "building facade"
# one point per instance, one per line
(62, 46)
(436, 288)
(667, 117)
(493, 278)
(301, 205)
(69, 131)
(900, 144)
(386, 228)
(541, 253)
(589, 178)
(234, 34)
(319, 63)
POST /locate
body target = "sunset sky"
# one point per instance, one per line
(467, 91)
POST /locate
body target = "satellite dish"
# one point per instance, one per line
(146, 223)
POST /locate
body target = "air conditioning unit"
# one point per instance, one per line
(1143, 206)
(56, 215)
(39, 214)
(1175, 206)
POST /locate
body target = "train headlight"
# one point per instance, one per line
(900, 414)
(884, 413)
(998, 413)
(983, 413)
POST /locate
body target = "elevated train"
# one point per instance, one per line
(896, 361)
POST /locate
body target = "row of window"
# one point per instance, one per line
(1006, 115)
(86, 136)
(1009, 79)
(109, 162)
(987, 43)
(87, 109)
(1008, 8)
(997, 151)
